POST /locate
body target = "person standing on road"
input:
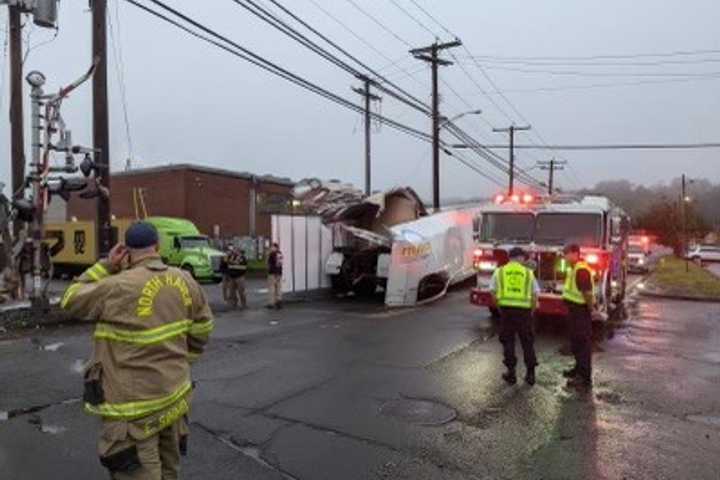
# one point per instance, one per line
(152, 321)
(580, 301)
(516, 292)
(275, 266)
(237, 265)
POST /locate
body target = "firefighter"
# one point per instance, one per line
(151, 322)
(579, 298)
(516, 292)
(275, 265)
(237, 265)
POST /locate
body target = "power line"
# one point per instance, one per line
(120, 73)
(587, 63)
(422, 107)
(604, 57)
(603, 74)
(610, 85)
(617, 146)
(379, 23)
(413, 18)
(271, 67)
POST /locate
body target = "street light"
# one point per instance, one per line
(446, 120)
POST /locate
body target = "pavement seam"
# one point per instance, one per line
(290, 396)
(260, 459)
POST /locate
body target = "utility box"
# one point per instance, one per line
(45, 13)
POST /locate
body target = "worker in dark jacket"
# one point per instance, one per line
(579, 298)
(237, 265)
(516, 292)
(275, 270)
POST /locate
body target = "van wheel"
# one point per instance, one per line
(189, 269)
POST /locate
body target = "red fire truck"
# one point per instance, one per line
(542, 226)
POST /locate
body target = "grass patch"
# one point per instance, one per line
(671, 278)
(257, 266)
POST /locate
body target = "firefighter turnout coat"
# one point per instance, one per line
(151, 322)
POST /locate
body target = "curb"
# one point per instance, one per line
(667, 296)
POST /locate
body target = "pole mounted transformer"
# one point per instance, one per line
(44, 12)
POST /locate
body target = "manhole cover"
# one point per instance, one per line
(706, 419)
(420, 412)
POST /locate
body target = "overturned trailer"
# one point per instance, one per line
(389, 242)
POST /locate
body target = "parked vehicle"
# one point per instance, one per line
(73, 246)
(543, 226)
(704, 253)
(182, 245)
(638, 259)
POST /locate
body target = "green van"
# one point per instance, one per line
(182, 245)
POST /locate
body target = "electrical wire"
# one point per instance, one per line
(120, 73)
(413, 18)
(675, 53)
(264, 64)
(379, 23)
(579, 73)
(424, 108)
(585, 63)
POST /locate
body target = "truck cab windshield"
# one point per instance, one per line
(563, 228)
(507, 227)
(194, 242)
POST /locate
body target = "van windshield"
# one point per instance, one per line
(194, 242)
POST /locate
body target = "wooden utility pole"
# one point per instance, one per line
(369, 97)
(551, 166)
(511, 172)
(17, 133)
(101, 134)
(430, 55)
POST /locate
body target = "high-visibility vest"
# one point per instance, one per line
(571, 293)
(515, 286)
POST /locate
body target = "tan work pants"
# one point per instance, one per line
(236, 291)
(275, 286)
(156, 457)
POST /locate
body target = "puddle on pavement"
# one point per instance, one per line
(419, 412)
(52, 347)
(52, 429)
(706, 419)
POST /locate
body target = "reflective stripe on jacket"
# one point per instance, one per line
(515, 286)
(571, 293)
(151, 322)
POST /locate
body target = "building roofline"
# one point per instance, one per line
(284, 181)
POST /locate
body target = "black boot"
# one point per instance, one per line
(571, 373)
(510, 377)
(530, 376)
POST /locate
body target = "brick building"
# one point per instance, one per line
(220, 202)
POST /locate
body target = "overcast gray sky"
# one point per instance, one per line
(191, 102)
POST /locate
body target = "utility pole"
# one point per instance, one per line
(430, 55)
(369, 97)
(101, 134)
(17, 133)
(511, 130)
(683, 212)
(551, 166)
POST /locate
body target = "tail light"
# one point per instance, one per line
(598, 260)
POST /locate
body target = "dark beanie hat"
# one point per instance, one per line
(516, 252)
(141, 235)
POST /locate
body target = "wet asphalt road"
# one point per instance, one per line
(345, 390)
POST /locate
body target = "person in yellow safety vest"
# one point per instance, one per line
(237, 265)
(580, 301)
(516, 292)
(151, 322)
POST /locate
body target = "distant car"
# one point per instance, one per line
(704, 253)
(638, 260)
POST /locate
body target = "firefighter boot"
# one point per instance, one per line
(510, 376)
(530, 376)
